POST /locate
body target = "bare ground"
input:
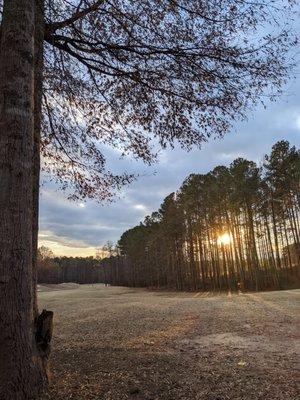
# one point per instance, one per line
(115, 343)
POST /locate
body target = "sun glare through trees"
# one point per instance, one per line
(233, 226)
(224, 239)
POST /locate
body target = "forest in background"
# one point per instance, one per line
(51, 269)
(233, 228)
(236, 227)
(59, 269)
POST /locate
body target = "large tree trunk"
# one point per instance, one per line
(38, 92)
(22, 369)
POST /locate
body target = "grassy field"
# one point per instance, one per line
(114, 343)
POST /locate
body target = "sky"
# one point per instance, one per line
(78, 229)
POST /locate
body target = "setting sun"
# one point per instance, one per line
(224, 239)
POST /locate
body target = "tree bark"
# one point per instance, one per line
(22, 369)
(38, 93)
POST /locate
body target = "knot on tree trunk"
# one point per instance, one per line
(43, 335)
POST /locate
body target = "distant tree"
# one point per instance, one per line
(107, 250)
(282, 180)
(44, 253)
(47, 269)
(100, 253)
(110, 248)
(246, 184)
(172, 232)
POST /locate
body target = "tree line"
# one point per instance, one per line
(235, 227)
(60, 269)
(53, 270)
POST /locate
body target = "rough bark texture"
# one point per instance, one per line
(38, 87)
(21, 365)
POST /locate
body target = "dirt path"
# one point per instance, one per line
(117, 343)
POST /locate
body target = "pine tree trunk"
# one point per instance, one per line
(22, 369)
(274, 223)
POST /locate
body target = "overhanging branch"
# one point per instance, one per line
(51, 28)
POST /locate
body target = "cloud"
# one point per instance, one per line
(140, 207)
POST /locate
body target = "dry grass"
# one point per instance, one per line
(118, 343)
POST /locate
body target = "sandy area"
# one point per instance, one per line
(117, 343)
(61, 286)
